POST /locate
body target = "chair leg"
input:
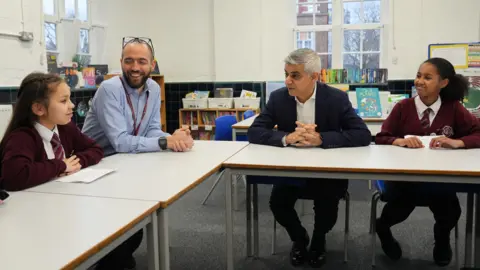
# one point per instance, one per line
(457, 253)
(213, 187)
(373, 217)
(469, 231)
(248, 206)
(255, 222)
(274, 237)
(347, 226)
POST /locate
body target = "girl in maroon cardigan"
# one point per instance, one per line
(41, 143)
(435, 111)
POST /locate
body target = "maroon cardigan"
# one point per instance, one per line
(452, 120)
(25, 163)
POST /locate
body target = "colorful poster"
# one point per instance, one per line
(89, 77)
(368, 102)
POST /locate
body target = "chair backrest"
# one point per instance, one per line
(248, 114)
(223, 127)
(380, 185)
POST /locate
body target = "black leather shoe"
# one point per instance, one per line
(442, 254)
(390, 246)
(299, 253)
(317, 258)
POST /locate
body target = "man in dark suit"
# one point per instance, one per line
(308, 113)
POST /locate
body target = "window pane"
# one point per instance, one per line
(352, 13)
(371, 10)
(351, 60)
(323, 42)
(371, 40)
(306, 40)
(305, 14)
(326, 60)
(69, 9)
(371, 60)
(82, 10)
(49, 7)
(84, 42)
(351, 40)
(51, 36)
(323, 14)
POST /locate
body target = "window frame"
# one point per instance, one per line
(59, 17)
(338, 28)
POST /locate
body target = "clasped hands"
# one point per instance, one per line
(304, 136)
(435, 143)
(181, 140)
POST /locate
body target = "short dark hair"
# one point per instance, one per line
(139, 40)
(457, 87)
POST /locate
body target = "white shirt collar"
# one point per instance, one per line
(44, 132)
(421, 107)
(314, 95)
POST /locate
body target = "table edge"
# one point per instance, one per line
(96, 248)
(233, 165)
(177, 196)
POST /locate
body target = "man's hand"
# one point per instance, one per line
(304, 136)
(180, 141)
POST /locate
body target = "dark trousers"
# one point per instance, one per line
(403, 197)
(325, 198)
(117, 257)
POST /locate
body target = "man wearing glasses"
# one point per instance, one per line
(125, 117)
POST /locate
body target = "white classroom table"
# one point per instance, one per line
(53, 231)
(364, 163)
(159, 177)
(240, 128)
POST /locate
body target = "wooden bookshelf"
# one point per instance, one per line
(202, 121)
(163, 108)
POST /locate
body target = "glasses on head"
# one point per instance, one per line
(141, 40)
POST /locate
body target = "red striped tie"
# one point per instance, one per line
(425, 121)
(57, 147)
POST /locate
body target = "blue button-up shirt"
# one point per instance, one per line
(109, 121)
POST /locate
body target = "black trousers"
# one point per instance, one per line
(325, 196)
(403, 197)
(117, 257)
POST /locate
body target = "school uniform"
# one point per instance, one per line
(34, 155)
(412, 117)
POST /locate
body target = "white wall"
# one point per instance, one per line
(19, 58)
(230, 40)
(418, 23)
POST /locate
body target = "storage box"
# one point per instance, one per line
(223, 93)
(190, 103)
(222, 103)
(252, 103)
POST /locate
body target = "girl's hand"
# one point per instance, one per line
(444, 142)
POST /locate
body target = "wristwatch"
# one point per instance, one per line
(162, 142)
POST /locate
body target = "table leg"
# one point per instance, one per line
(255, 222)
(476, 234)
(468, 231)
(163, 240)
(227, 176)
(248, 211)
(152, 243)
(234, 134)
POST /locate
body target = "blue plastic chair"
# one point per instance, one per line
(223, 127)
(223, 132)
(248, 114)
(379, 194)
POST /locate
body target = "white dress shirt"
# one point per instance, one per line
(421, 107)
(47, 135)
(305, 111)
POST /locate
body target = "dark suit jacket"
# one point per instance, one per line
(336, 120)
